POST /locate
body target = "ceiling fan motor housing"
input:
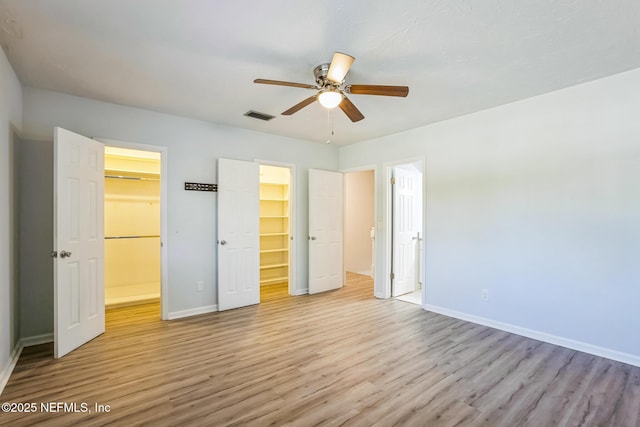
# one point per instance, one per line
(320, 73)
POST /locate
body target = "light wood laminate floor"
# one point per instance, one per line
(338, 358)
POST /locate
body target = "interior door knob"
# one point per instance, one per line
(65, 254)
(223, 242)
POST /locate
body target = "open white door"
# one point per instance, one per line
(325, 230)
(78, 240)
(407, 224)
(238, 234)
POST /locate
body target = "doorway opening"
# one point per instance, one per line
(275, 231)
(406, 215)
(132, 227)
(359, 226)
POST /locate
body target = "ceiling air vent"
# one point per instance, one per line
(258, 115)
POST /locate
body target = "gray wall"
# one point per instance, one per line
(36, 230)
(15, 148)
(539, 202)
(10, 121)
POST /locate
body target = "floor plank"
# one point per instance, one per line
(338, 358)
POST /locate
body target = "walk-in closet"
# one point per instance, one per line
(274, 225)
(132, 226)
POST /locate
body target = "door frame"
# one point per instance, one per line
(293, 235)
(164, 244)
(377, 223)
(388, 225)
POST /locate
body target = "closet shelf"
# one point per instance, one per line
(274, 280)
(271, 251)
(131, 198)
(131, 178)
(274, 232)
(131, 237)
(266, 267)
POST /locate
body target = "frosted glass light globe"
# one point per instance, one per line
(330, 98)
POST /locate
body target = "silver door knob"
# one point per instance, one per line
(312, 238)
(223, 242)
(65, 254)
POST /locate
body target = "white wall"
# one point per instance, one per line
(10, 120)
(539, 202)
(359, 218)
(193, 149)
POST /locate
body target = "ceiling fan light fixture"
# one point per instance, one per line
(329, 98)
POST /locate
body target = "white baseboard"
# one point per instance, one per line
(131, 301)
(6, 371)
(363, 272)
(618, 356)
(298, 292)
(37, 340)
(192, 312)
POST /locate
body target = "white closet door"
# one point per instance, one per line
(406, 226)
(326, 218)
(78, 239)
(238, 234)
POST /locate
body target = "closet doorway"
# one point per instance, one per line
(132, 216)
(276, 219)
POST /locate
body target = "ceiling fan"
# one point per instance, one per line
(332, 90)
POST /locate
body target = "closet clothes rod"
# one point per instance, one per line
(131, 237)
(132, 178)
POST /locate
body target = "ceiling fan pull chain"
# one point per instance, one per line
(329, 126)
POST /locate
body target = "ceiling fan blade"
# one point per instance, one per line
(339, 67)
(300, 105)
(281, 83)
(378, 90)
(351, 110)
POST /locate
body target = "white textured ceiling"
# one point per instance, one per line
(198, 58)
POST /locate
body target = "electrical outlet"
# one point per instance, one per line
(200, 286)
(484, 295)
